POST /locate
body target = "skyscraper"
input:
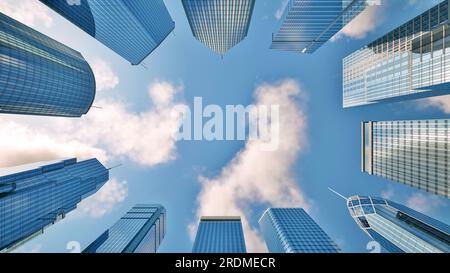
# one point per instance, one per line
(398, 228)
(35, 196)
(415, 153)
(40, 76)
(292, 230)
(308, 24)
(219, 24)
(140, 230)
(132, 29)
(410, 62)
(219, 235)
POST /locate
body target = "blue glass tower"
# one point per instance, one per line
(132, 29)
(398, 228)
(410, 62)
(307, 24)
(39, 76)
(220, 235)
(140, 230)
(35, 196)
(219, 24)
(292, 230)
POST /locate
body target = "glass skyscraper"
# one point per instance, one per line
(140, 230)
(220, 235)
(132, 29)
(292, 230)
(307, 24)
(40, 76)
(398, 228)
(410, 62)
(35, 196)
(414, 153)
(219, 24)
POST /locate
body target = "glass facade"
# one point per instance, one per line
(220, 235)
(292, 230)
(140, 230)
(219, 24)
(35, 196)
(398, 228)
(132, 29)
(40, 76)
(307, 24)
(410, 62)
(414, 153)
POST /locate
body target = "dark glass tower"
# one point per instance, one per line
(35, 196)
(219, 235)
(132, 29)
(219, 24)
(39, 76)
(307, 24)
(292, 230)
(412, 152)
(398, 228)
(140, 230)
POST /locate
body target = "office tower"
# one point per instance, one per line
(308, 24)
(415, 153)
(140, 230)
(398, 228)
(410, 62)
(40, 76)
(219, 24)
(132, 29)
(219, 235)
(35, 196)
(292, 230)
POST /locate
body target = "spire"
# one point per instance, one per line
(338, 194)
(114, 167)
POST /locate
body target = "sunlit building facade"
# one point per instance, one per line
(292, 230)
(399, 229)
(410, 62)
(219, 24)
(132, 29)
(40, 76)
(220, 235)
(414, 152)
(308, 24)
(140, 230)
(37, 195)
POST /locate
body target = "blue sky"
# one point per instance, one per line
(134, 128)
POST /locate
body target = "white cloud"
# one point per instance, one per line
(280, 11)
(147, 138)
(261, 177)
(29, 12)
(424, 203)
(103, 202)
(163, 94)
(388, 193)
(442, 103)
(105, 77)
(364, 23)
(28, 248)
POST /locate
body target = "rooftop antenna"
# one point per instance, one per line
(338, 194)
(119, 165)
(97, 107)
(144, 65)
